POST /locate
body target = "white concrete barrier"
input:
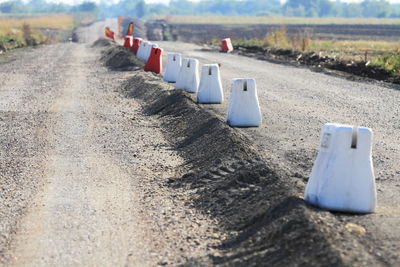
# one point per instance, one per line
(182, 76)
(142, 50)
(192, 79)
(244, 108)
(174, 62)
(342, 178)
(188, 78)
(210, 88)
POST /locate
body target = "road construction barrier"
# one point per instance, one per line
(182, 76)
(109, 34)
(192, 78)
(342, 178)
(120, 19)
(135, 45)
(148, 50)
(174, 63)
(226, 45)
(188, 78)
(210, 88)
(141, 54)
(154, 63)
(129, 31)
(128, 42)
(244, 108)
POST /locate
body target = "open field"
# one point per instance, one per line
(376, 41)
(204, 32)
(275, 20)
(19, 31)
(59, 21)
(380, 53)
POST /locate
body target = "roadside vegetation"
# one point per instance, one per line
(21, 31)
(383, 54)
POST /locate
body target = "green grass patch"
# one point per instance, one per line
(389, 62)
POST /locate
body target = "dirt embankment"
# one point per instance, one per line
(255, 200)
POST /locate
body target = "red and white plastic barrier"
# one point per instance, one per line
(148, 50)
(154, 63)
(109, 34)
(128, 42)
(226, 45)
(135, 45)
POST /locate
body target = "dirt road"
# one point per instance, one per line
(81, 181)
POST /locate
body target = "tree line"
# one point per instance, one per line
(138, 8)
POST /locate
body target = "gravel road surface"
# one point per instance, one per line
(81, 181)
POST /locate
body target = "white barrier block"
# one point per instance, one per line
(182, 76)
(342, 177)
(192, 79)
(142, 49)
(188, 78)
(174, 62)
(244, 108)
(210, 88)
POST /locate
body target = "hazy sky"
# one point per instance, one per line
(166, 1)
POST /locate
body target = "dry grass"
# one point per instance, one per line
(59, 21)
(277, 39)
(379, 53)
(19, 31)
(273, 20)
(355, 50)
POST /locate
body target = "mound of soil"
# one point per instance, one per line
(250, 196)
(120, 58)
(103, 42)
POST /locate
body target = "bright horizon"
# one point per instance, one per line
(167, 1)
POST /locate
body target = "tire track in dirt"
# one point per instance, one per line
(24, 120)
